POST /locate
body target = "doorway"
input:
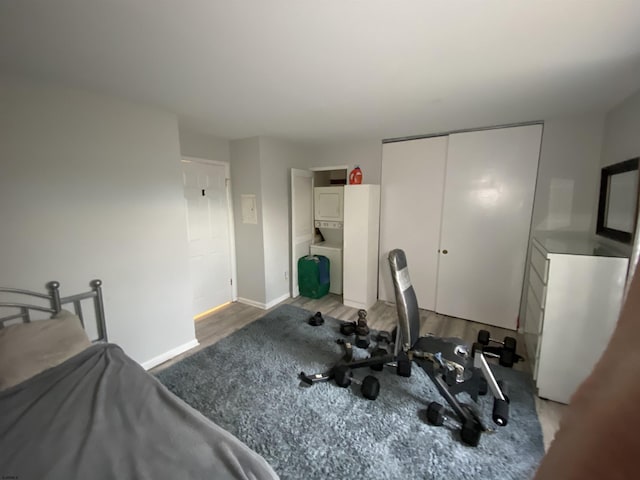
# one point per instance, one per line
(303, 230)
(210, 234)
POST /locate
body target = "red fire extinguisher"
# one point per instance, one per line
(355, 177)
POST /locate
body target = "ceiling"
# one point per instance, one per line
(319, 70)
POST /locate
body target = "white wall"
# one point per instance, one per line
(277, 157)
(250, 255)
(261, 166)
(199, 145)
(621, 142)
(365, 153)
(568, 174)
(568, 179)
(91, 188)
(622, 131)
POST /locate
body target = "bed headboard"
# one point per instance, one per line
(55, 303)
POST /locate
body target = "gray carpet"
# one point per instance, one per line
(247, 383)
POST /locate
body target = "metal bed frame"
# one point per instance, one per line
(56, 303)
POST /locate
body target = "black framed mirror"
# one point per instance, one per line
(618, 205)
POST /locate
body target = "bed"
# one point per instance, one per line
(73, 408)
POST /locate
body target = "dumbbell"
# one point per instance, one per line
(380, 351)
(383, 338)
(362, 330)
(383, 348)
(506, 358)
(507, 354)
(369, 386)
(361, 324)
(509, 343)
(469, 431)
(347, 328)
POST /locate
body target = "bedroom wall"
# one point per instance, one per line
(250, 254)
(91, 188)
(261, 166)
(622, 131)
(621, 142)
(568, 178)
(277, 157)
(200, 145)
(366, 153)
(568, 173)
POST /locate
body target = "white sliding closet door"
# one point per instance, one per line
(486, 216)
(410, 213)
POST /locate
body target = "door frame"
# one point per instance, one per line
(294, 290)
(230, 220)
(324, 169)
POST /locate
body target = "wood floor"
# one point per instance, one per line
(382, 316)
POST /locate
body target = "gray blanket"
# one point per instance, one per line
(99, 415)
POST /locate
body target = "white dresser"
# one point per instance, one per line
(574, 295)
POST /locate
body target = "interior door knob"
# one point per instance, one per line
(444, 252)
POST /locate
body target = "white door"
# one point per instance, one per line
(488, 199)
(206, 199)
(410, 213)
(302, 228)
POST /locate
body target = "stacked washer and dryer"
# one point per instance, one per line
(329, 220)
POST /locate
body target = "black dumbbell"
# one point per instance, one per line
(379, 352)
(507, 354)
(506, 358)
(362, 341)
(383, 337)
(436, 415)
(369, 386)
(361, 325)
(509, 343)
(347, 328)
(469, 431)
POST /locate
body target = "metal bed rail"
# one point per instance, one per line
(53, 297)
(56, 303)
(98, 303)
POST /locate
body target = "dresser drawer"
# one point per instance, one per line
(540, 264)
(538, 289)
(533, 321)
(534, 315)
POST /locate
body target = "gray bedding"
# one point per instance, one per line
(99, 415)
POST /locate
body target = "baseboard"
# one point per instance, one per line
(351, 303)
(275, 302)
(264, 306)
(253, 303)
(168, 355)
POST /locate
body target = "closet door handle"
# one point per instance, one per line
(444, 252)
